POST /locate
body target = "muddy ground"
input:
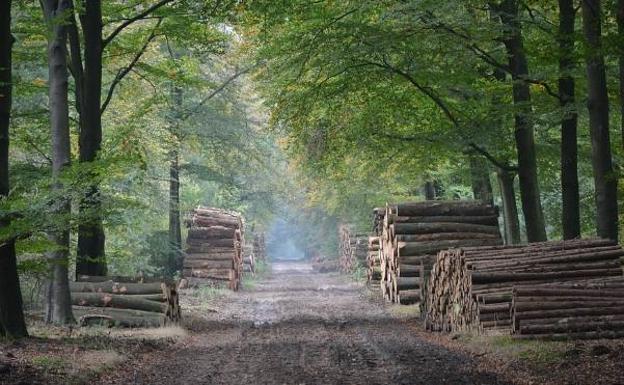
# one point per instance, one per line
(297, 326)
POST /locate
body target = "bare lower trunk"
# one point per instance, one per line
(11, 314)
(175, 232)
(605, 180)
(429, 191)
(620, 23)
(58, 302)
(571, 217)
(510, 209)
(525, 140)
(480, 177)
(91, 257)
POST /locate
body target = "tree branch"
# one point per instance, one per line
(133, 19)
(124, 71)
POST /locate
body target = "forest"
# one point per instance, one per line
(119, 117)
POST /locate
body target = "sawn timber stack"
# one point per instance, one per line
(214, 253)
(353, 249)
(413, 233)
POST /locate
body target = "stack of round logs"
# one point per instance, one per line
(413, 233)
(214, 252)
(125, 302)
(471, 288)
(373, 270)
(353, 249)
(562, 312)
(259, 247)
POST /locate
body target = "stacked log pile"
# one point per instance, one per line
(583, 311)
(353, 249)
(413, 233)
(126, 302)
(259, 247)
(471, 288)
(214, 252)
(373, 270)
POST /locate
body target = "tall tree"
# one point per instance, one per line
(571, 215)
(509, 13)
(619, 14)
(58, 309)
(605, 180)
(480, 179)
(11, 314)
(510, 209)
(91, 259)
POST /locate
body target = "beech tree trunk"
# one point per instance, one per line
(571, 217)
(175, 231)
(480, 177)
(510, 209)
(58, 309)
(525, 141)
(11, 314)
(91, 258)
(620, 22)
(605, 180)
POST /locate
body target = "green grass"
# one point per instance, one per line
(359, 274)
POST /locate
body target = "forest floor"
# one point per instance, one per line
(296, 326)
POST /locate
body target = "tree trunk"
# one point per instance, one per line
(91, 258)
(524, 135)
(620, 22)
(58, 301)
(571, 217)
(605, 180)
(175, 232)
(11, 314)
(510, 210)
(480, 177)
(429, 190)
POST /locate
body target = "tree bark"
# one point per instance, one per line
(480, 178)
(175, 232)
(429, 190)
(571, 217)
(605, 180)
(58, 298)
(11, 313)
(91, 259)
(510, 209)
(524, 131)
(620, 22)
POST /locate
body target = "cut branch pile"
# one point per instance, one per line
(125, 302)
(353, 249)
(214, 252)
(413, 233)
(472, 287)
(563, 312)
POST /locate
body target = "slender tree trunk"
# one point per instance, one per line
(91, 239)
(175, 232)
(605, 180)
(11, 313)
(524, 135)
(620, 23)
(510, 209)
(429, 190)
(571, 217)
(59, 308)
(480, 177)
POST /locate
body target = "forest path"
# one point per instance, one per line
(302, 327)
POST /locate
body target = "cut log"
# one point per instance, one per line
(117, 301)
(120, 317)
(116, 288)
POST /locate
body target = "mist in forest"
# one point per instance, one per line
(281, 242)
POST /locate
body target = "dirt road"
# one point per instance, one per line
(302, 327)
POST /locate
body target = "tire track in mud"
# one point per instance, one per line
(301, 327)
